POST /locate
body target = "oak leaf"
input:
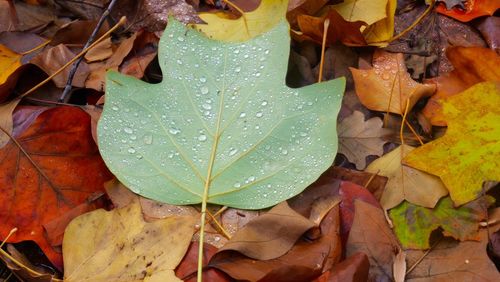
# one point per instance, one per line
(406, 183)
(472, 65)
(387, 86)
(54, 167)
(469, 152)
(120, 246)
(359, 138)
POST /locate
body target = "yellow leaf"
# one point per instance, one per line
(388, 85)
(10, 62)
(406, 183)
(379, 33)
(120, 246)
(368, 11)
(251, 24)
(469, 152)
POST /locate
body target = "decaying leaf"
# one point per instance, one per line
(209, 129)
(471, 146)
(359, 138)
(60, 170)
(454, 261)
(472, 65)
(388, 85)
(471, 10)
(120, 246)
(250, 24)
(413, 224)
(406, 183)
(380, 249)
(270, 235)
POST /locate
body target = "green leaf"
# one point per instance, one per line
(414, 224)
(221, 119)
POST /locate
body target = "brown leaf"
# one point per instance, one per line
(359, 138)
(387, 86)
(373, 183)
(270, 235)
(52, 59)
(188, 267)
(306, 260)
(490, 29)
(354, 268)
(27, 17)
(371, 235)
(454, 261)
(22, 267)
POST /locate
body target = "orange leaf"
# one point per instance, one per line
(63, 169)
(472, 65)
(388, 85)
(473, 9)
(338, 30)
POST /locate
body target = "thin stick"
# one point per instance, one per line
(31, 271)
(219, 226)
(414, 132)
(74, 68)
(12, 231)
(371, 178)
(326, 24)
(36, 48)
(422, 257)
(104, 36)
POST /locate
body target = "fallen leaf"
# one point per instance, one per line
(353, 268)
(6, 122)
(414, 224)
(10, 64)
(157, 159)
(52, 59)
(472, 65)
(312, 28)
(490, 30)
(470, 158)
(58, 170)
(473, 9)
(90, 10)
(250, 24)
(303, 7)
(454, 261)
(368, 11)
(28, 17)
(380, 249)
(270, 235)
(101, 51)
(387, 86)
(399, 267)
(23, 268)
(306, 259)
(379, 33)
(359, 138)
(124, 247)
(406, 183)
(374, 183)
(188, 267)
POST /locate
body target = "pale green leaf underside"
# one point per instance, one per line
(273, 140)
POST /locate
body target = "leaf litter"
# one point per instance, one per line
(352, 230)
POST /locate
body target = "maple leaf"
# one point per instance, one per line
(54, 167)
(406, 183)
(414, 224)
(388, 85)
(469, 152)
(472, 65)
(359, 138)
(120, 246)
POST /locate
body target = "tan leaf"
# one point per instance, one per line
(371, 235)
(406, 183)
(359, 138)
(120, 246)
(387, 86)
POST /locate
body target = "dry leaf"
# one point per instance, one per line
(406, 183)
(387, 86)
(120, 246)
(359, 138)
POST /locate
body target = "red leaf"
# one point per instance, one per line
(63, 169)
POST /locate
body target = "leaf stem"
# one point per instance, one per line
(326, 24)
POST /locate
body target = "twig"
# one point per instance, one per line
(416, 22)
(326, 24)
(74, 68)
(121, 22)
(423, 256)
